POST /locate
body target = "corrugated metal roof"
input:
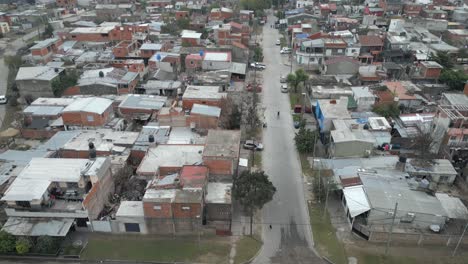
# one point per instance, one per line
(43, 73)
(90, 104)
(43, 110)
(206, 110)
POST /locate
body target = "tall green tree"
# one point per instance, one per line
(305, 140)
(253, 190)
(60, 84)
(258, 54)
(443, 58)
(454, 79)
(48, 31)
(296, 78)
(387, 110)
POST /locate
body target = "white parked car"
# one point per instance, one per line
(283, 79)
(3, 99)
(278, 42)
(285, 51)
(257, 65)
(252, 145)
(284, 88)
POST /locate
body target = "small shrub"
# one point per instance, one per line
(7, 242)
(23, 245)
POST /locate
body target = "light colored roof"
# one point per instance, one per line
(137, 101)
(56, 227)
(112, 77)
(43, 73)
(151, 46)
(130, 208)
(162, 196)
(456, 98)
(206, 110)
(378, 123)
(103, 140)
(222, 143)
(51, 101)
(217, 56)
(89, 104)
(170, 156)
(23, 189)
(437, 166)
(362, 92)
(202, 92)
(43, 110)
(453, 206)
(218, 193)
(92, 30)
(238, 68)
(191, 34)
(44, 44)
(356, 200)
(36, 177)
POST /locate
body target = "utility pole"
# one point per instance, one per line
(391, 229)
(319, 184)
(326, 199)
(460, 240)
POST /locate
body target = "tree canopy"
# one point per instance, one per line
(253, 190)
(305, 140)
(454, 79)
(296, 78)
(387, 110)
(230, 114)
(60, 84)
(443, 58)
(7, 242)
(255, 4)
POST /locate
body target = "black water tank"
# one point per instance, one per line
(151, 138)
(402, 159)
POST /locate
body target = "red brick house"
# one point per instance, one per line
(412, 9)
(125, 48)
(203, 116)
(434, 14)
(191, 38)
(42, 52)
(205, 95)
(182, 15)
(159, 3)
(370, 45)
(221, 153)
(147, 50)
(141, 106)
(193, 62)
(428, 70)
(458, 35)
(89, 112)
(246, 15)
(67, 4)
(220, 14)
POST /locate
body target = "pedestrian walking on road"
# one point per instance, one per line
(270, 227)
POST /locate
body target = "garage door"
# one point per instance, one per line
(132, 227)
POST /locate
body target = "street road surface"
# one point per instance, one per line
(290, 239)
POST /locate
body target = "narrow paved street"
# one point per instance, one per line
(11, 49)
(290, 239)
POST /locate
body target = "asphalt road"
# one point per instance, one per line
(11, 49)
(290, 239)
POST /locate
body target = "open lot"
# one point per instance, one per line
(163, 249)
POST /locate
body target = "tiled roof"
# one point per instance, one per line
(370, 41)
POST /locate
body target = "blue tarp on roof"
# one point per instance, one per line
(302, 36)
